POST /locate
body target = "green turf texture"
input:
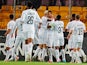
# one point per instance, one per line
(38, 63)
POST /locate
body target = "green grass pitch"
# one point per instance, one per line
(38, 63)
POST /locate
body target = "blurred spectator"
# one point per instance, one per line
(52, 2)
(0, 4)
(58, 3)
(10, 2)
(45, 2)
(82, 3)
(62, 2)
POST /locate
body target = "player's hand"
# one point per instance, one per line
(39, 26)
(11, 35)
(5, 34)
(48, 26)
(68, 37)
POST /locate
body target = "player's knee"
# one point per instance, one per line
(57, 47)
(7, 48)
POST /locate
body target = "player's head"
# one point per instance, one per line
(46, 13)
(58, 17)
(73, 16)
(77, 17)
(11, 16)
(50, 13)
(30, 5)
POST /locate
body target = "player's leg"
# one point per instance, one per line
(7, 54)
(61, 41)
(50, 44)
(37, 50)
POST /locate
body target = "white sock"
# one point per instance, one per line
(57, 54)
(30, 49)
(63, 54)
(7, 55)
(73, 56)
(37, 51)
(77, 57)
(50, 54)
(40, 54)
(82, 52)
(44, 53)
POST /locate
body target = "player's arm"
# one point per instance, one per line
(9, 26)
(70, 32)
(14, 29)
(7, 32)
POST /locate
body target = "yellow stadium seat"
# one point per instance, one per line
(75, 9)
(85, 9)
(64, 15)
(65, 22)
(42, 8)
(64, 8)
(20, 7)
(76, 12)
(41, 13)
(53, 8)
(6, 7)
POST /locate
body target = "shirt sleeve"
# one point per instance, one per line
(38, 18)
(23, 17)
(10, 25)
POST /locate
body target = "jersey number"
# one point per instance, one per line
(30, 20)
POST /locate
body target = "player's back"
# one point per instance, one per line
(79, 28)
(44, 22)
(19, 25)
(70, 25)
(10, 26)
(29, 17)
(59, 26)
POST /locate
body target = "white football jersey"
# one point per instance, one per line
(19, 26)
(29, 17)
(59, 26)
(69, 25)
(10, 26)
(78, 28)
(44, 22)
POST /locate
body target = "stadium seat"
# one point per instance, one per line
(53, 8)
(7, 8)
(64, 8)
(64, 15)
(75, 9)
(42, 8)
(65, 22)
(20, 7)
(84, 9)
(41, 13)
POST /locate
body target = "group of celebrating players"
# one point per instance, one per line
(48, 31)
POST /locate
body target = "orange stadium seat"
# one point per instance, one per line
(65, 22)
(42, 8)
(20, 7)
(64, 15)
(53, 8)
(6, 7)
(77, 9)
(64, 8)
(84, 9)
(41, 13)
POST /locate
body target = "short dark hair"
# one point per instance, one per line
(77, 16)
(50, 11)
(11, 16)
(30, 4)
(58, 17)
(73, 15)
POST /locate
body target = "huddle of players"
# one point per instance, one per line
(49, 36)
